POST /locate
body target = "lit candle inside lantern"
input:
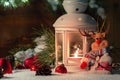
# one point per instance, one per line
(76, 57)
(76, 53)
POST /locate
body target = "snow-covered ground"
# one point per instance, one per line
(81, 75)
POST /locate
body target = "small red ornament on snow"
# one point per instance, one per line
(83, 65)
(5, 64)
(33, 68)
(61, 69)
(30, 61)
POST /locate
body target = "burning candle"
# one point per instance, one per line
(76, 53)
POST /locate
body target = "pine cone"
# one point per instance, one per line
(44, 70)
(11, 59)
(1, 72)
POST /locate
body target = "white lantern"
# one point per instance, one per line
(70, 46)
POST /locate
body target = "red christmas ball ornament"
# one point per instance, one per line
(35, 57)
(5, 64)
(33, 68)
(30, 61)
(83, 65)
(61, 69)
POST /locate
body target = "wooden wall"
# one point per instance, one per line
(113, 11)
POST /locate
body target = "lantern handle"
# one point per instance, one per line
(84, 33)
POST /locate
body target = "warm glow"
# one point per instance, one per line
(76, 53)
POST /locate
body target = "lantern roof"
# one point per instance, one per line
(81, 21)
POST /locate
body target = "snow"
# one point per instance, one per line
(26, 74)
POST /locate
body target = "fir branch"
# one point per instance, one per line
(47, 55)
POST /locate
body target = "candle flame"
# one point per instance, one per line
(76, 53)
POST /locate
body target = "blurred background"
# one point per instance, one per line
(18, 20)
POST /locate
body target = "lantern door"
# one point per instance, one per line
(74, 46)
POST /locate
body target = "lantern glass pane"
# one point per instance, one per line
(59, 41)
(75, 45)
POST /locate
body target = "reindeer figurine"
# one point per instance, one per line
(98, 48)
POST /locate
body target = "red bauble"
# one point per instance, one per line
(33, 68)
(5, 64)
(61, 69)
(83, 65)
(30, 61)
